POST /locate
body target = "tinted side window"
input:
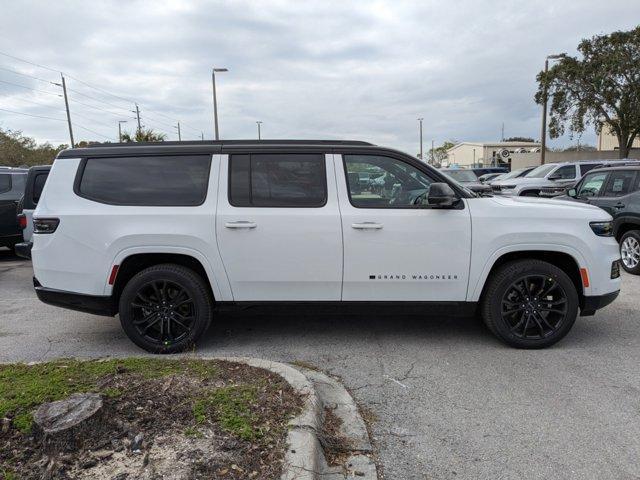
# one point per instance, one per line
(277, 180)
(619, 183)
(566, 173)
(146, 181)
(38, 185)
(592, 184)
(5, 182)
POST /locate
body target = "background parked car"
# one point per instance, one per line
(468, 178)
(520, 172)
(11, 190)
(487, 177)
(484, 170)
(550, 179)
(616, 190)
(36, 178)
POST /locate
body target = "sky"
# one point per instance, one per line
(328, 69)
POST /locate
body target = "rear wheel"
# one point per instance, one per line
(165, 308)
(630, 251)
(530, 304)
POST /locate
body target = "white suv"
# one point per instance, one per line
(550, 179)
(166, 235)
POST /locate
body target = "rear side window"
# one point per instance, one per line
(5, 183)
(38, 185)
(620, 183)
(146, 181)
(277, 180)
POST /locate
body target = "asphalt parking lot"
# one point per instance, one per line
(448, 400)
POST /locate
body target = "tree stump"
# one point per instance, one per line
(65, 425)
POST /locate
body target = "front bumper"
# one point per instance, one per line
(590, 304)
(94, 304)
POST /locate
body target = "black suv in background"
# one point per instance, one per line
(616, 190)
(12, 181)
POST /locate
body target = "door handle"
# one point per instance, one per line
(367, 226)
(240, 224)
(619, 205)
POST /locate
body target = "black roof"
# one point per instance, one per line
(206, 146)
(630, 166)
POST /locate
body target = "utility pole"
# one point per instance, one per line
(215, 100)
(432, 157)
(66, 105)
(120, 122)
(202, 135)
(137, 112)
(543, 133)
(179, 135)
(421, 151)
(259, 123)
(502, 137)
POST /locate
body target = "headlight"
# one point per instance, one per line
(602, 229)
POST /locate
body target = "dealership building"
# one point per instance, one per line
(478, 154)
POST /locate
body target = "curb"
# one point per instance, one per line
(305, 456)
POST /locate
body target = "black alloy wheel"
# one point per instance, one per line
(534, 306)
(165, 308)
(163, 312)
(529, 303)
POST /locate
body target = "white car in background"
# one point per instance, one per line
(550, 179)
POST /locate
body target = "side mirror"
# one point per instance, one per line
(555, 176)
(441, 195)
(572, 193)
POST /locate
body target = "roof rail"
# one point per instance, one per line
(233, 142)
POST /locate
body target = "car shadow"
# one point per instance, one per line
(7, 255)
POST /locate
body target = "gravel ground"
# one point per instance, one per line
(449, 401)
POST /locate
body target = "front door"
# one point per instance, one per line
(395, 250)
(615, 194)
(278, 227)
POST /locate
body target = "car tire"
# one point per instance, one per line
(519, 300)
(630, 251)
(165, 308)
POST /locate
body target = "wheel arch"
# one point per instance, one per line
(131, 264)
(563, 260)
(624, 224)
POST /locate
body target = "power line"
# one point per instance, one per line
(94, 98)
(92, 131)
(30, 63)
(29, 88)
(41, 104)
(31, 115)
(27, 75)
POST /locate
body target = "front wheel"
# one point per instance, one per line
(530, 304)
(165, 308)
(630, 251)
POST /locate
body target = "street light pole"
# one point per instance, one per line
(215, 100)
(120, 122)
(259, 123)
(421, 152)
(179, 135)
(543, 133)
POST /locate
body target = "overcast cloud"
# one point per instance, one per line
(361, 70)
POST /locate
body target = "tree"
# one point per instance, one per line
(144, 135)
(438, 154)
(17, 150)
(602, 88)
(519, 139)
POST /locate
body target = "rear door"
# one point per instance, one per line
(278, 227)
(615, 194)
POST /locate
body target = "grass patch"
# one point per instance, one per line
(24, 387)
(232, 409)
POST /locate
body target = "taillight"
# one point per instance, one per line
(45, 225)
(22, 221)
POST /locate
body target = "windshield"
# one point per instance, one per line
(540, 171)
(512, 174)
(462, 175)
